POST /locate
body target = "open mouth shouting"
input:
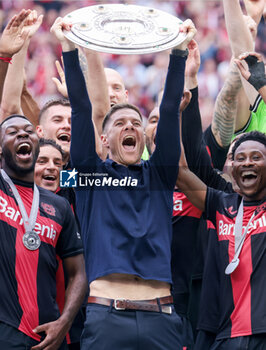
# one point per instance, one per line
(249, 177)
(64, 137)
(129, 143)
(24, 150)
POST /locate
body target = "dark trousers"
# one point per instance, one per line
(188, 339)
(251, 342)
(12, 339)
(204, 340)
(108, 329)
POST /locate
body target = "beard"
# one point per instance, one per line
(8, 159)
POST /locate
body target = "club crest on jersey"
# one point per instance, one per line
(48, 208)
(231, 211)
(260, 208)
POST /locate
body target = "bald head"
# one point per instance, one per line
(116, 87)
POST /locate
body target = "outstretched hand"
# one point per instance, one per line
(33, 23)
(193, 60)
(60, 83)
(15, 34)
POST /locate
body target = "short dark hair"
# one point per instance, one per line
(53, 102)
(11, 117)
(50, 142)
(253, 136)
(117, 107)
(14, 116)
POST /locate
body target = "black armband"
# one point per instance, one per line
(181, 53)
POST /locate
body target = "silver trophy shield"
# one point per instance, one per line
(124, 29)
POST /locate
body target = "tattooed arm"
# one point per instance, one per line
(242, 32)
(83, 65)
(232, 105)
(223, 123)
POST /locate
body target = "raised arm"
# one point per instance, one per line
(29, 106)
(223, 122)
(93, 72)
(91, 63)
(193, 188)
(97, 88)
(192, 65)
(242, 38)
(14, 82)
(166, 154)
(239, 35)
(197, 158)
(12, 40)
(232, 106)
(191, 115)
(255, 9)
(11, 99)
(83, 152)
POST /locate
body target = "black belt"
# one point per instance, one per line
(155, 305)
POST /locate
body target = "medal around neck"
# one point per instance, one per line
(232, 266)
(31, 240)
(124, 29)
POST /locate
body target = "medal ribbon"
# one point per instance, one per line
(239, 238)
(28, 222)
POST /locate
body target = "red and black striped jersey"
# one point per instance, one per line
(27, 278)
(242, 294)
(185, 222)
(210, 308)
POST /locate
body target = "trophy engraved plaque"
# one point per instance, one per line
(124, 29)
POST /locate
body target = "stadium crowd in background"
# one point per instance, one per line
(143, 74)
